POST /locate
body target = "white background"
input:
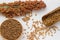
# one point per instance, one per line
(51, 5)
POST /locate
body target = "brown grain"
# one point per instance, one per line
(41, 30)
(20, 8)
(11, 29)
(52, 17)
(25, 19)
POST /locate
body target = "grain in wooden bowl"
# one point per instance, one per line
(52, 17)
(11, 29)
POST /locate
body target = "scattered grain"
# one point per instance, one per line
(41, 30)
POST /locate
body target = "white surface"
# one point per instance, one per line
(51, 5)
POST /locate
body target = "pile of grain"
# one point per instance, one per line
(20, 8)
